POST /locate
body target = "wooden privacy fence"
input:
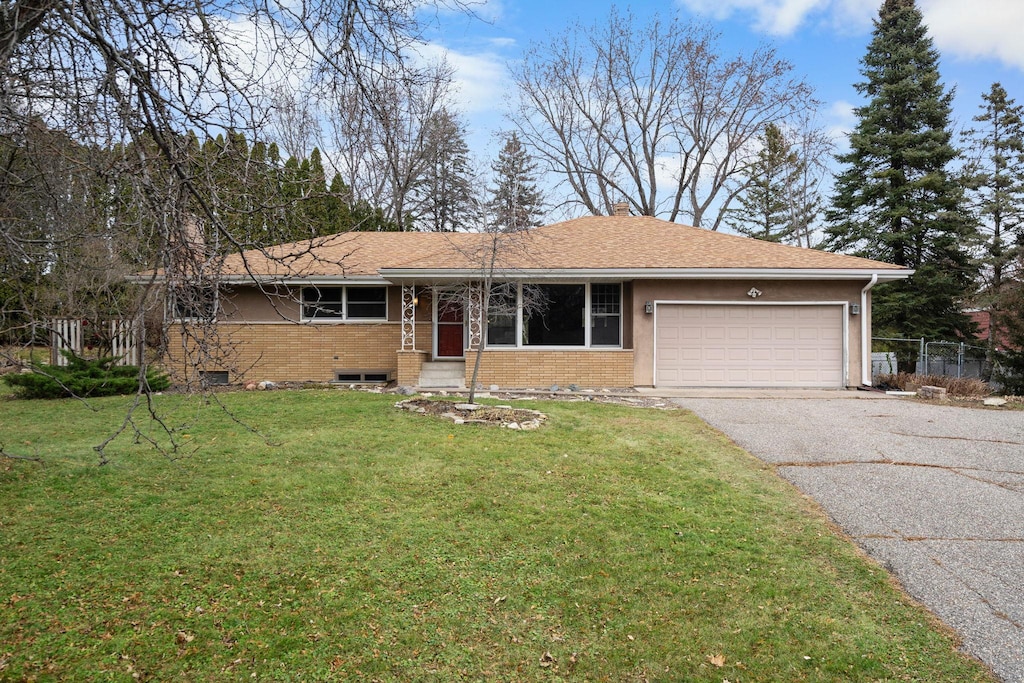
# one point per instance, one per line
(120, 337)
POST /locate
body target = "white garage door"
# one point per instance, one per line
(708, 345)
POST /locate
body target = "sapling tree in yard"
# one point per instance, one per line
(493, 291)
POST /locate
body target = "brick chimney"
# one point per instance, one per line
(620, 209)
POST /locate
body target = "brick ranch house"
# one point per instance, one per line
(630, 301)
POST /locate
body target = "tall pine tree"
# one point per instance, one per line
(995, 182)
(897, 200)
(764, 210)
(446, 199)
(515, 202)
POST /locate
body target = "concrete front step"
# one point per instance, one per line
(443, 374)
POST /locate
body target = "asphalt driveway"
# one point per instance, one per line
(934, 493)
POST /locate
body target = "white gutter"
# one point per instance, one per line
(576, 274)
(865, 333)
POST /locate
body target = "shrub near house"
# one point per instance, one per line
(83, 378)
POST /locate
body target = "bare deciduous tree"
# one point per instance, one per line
(382, 142)
(135, 83)
(293, 121)
(654, 114)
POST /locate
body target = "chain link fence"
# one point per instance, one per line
(924, 357)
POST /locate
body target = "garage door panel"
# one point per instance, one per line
(749, 345)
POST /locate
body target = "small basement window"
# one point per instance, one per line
(209, 378)
(363, 376)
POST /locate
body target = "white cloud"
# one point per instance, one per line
(778, 17)
(481, 79)
(976, 30)
(502, 43)
(981, 29)
(840, 122)
(852, 16)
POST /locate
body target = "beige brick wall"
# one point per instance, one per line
(534, 368)
(409, 365)
(291, 352)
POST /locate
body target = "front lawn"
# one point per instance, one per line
(367, 543)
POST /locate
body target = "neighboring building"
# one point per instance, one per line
(982, 318)
(631, 301)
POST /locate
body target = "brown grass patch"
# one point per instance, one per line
(954, 386)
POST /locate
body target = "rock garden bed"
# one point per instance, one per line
(475, 413)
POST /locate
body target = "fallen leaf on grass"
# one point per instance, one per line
(546, 660)
(717, 660)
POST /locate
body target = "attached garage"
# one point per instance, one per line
(750, 345)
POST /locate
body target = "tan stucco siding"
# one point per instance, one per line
(772, 291)
(627, 315)
(250, 304)
(534, 368)
(239, 303)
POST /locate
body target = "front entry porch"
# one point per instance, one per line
(446, 374)
(439, 360)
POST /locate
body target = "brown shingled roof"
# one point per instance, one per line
(590, 243)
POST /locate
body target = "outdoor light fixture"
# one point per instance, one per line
(648, 307)
(854, 309)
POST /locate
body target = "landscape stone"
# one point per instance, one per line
(936, 393)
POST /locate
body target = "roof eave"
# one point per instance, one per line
(398, 275)
(256, 278)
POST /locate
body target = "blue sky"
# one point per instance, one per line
(979, 41)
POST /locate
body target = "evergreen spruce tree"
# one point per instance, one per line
(897, 200)
(445, 198)
(765, 209)
(995, 182)
(515, 202)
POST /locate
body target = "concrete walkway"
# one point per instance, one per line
(934, 493)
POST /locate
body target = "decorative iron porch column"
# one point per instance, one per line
(408, 317)
(475, 315)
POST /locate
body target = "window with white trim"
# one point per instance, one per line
(345, 303)
(502, 311)
(195, 302)
(557, 315)
(605, 314)
(560, 319)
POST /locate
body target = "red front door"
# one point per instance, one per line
(450, 324)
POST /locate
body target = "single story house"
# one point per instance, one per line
(628, 301)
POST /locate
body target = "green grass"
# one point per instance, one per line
(613, 544)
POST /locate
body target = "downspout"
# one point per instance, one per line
(865, 333)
